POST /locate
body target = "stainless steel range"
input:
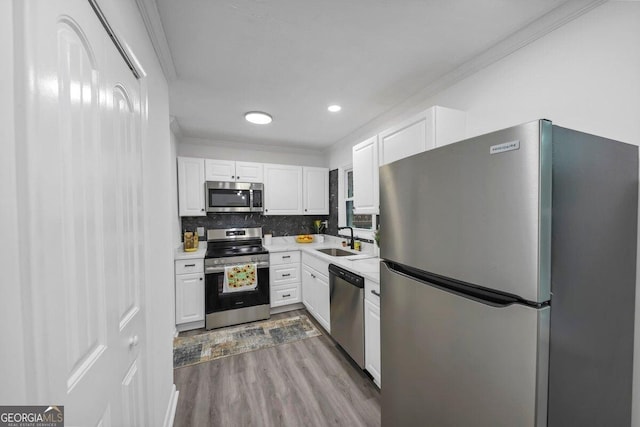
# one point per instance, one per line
(230, 253)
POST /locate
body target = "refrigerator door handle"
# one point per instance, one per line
(464, 289)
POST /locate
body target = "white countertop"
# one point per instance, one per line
(365, 264)
(181, 254)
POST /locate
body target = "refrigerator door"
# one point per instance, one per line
(452, 361)
(476, 211)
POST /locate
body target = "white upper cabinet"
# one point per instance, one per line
(365, 177)
(432, 128)
(229, 170)
(282, 190)
(191, 179)
(316, 190)
(249, 172)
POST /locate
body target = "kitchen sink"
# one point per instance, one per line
(336, 252)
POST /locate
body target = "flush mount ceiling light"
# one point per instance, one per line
(334, 108)
(258, 117)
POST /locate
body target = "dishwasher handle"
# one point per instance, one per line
(346, 275)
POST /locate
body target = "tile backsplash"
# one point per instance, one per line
(278, 225)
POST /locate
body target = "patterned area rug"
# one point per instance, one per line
(240, 339)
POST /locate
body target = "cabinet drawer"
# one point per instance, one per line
(285, 295)
(283, 274)
(284, 257)
(185, 266)
(369, 289)
(320, 265)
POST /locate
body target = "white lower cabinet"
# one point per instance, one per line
(315, 289)
(372, 330)
(189, 301)
(284, 278)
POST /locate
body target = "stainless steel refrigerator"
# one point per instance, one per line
(508, 281)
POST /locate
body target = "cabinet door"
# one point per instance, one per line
(249, 172)
(308, 289)
(449, 125)
(365, 177)
(372, 340)
(316, 190)
(282, 190)
(407, 138)
(189, 298)
(323, 308)
(220, 170)
(191, 186)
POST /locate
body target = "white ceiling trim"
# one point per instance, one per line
(175, 127)
(153, 24)
(252, 147)
(552, 20)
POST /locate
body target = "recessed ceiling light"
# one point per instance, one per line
(334, 108)
(258, 117)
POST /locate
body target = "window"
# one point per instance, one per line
(362, 222)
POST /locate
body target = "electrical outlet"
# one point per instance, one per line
(201, 231)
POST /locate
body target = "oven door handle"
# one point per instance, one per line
(220, 268)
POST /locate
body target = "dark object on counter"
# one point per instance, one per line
(350, 241)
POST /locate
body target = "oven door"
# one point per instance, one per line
(228, 196)
(216, 300)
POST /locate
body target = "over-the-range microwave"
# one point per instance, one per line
(228, 197)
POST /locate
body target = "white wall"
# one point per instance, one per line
(584, 75)
(12, 360)
(125, 19)
(195, 147)
(176, 228)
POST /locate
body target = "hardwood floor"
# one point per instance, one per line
(305, 383)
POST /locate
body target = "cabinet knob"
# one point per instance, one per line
(202, 210)
(201, 279)
(305, 210)
(232, 177)
(237, 177)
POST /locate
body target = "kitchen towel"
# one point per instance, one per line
(239, 278)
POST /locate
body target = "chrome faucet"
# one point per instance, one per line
(351, 244)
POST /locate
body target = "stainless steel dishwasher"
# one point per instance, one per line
(347, 311)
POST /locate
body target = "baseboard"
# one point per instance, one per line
(170, 415)
(284, 308)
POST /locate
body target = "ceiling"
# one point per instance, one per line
(292, 58)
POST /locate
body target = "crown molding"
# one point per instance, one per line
(174, 125)
(542, 26)
(152, 22)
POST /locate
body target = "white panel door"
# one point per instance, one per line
(406, 138)
(372, 340)
(82, 178)
(189, 298)
(220, 170)
(323, 308)
(308, 289)
(191, 190)
(282, 189)
(249, 172)
(365, 177)
(316, 190)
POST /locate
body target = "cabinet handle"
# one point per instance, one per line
(312, 275)
(375, 293)
(189, 265)
(286, 275)
(286, 256)
(286, 296)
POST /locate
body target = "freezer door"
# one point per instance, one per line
(452, 361)
(476, 211)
